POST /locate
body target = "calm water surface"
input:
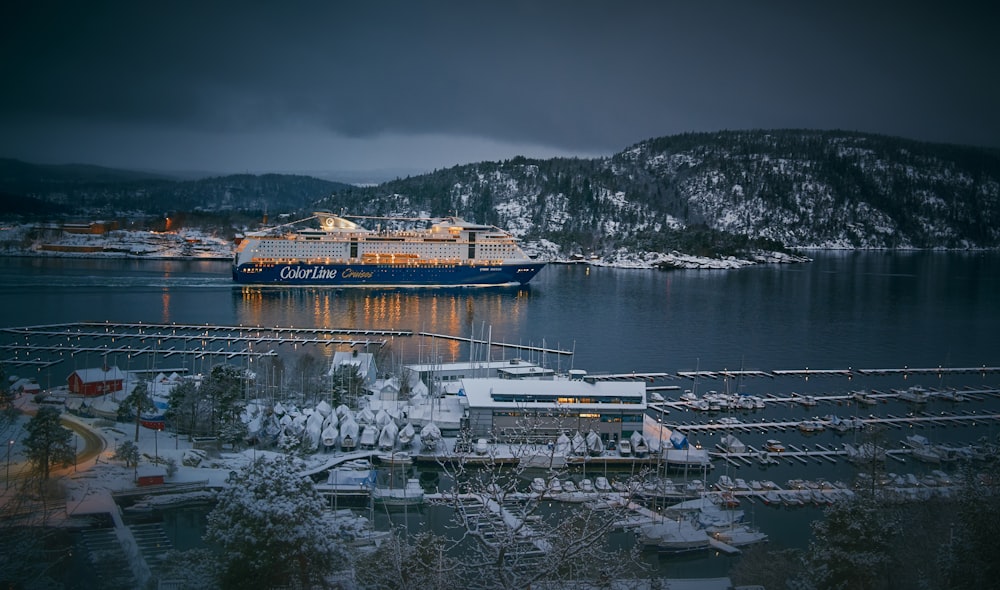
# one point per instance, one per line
(842, 310)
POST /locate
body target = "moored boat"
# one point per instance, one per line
(410, 495)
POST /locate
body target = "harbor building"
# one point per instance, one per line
(445, 377)
(541, 409)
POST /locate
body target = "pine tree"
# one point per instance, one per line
(269, 529)
(48, 442)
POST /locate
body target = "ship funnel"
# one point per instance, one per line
(331, 222)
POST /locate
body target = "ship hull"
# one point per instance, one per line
(371, 275)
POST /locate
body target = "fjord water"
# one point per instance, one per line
(843, 310)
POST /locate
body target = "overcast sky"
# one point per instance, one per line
(415, 85)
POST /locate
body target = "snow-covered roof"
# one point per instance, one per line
(99, 374)
(364, 361)
(559, 393)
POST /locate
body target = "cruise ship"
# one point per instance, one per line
(340, 252)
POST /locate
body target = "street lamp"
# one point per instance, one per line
(10, 443)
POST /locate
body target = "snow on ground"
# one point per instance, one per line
(184, 243)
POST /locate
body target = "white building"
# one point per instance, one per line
(443, 378)
(541, 409)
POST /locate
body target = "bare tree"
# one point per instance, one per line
(508, 537)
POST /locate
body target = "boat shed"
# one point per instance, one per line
(98, 381)
(540, 409)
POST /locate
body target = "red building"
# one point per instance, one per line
(149, 475)
(91, 382)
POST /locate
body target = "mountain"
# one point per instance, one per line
(728, 192)
(825, 189)
(80, 190)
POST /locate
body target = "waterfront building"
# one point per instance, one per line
(443, 378)
(543, 408)
(96, 381)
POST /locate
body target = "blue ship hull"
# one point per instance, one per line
(380, 275)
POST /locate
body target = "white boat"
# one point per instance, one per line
(773, 445)
(731, 444)
(410, 495)
(863, 453)
(330, 435)
(625, 448)
(369, 436)
(810, 426)
(914, 394)
(351, 477)
(678, 536)
(772, 497)
(538, 485)
(686, 458)
(639, 446)
(739, 536)
(398, 458)
(864, 398)
(725, 483)
(348, 434)
(387, 437)
(765, 458)
(952, 395)
(602, 485)
(578, 445)
(562, 444)
(543, 460)
(662, 488)
(916, 441)
(791, 498)
(482, 446)
(406, 434)
(595, 445)
(365, 417)
(430, 436)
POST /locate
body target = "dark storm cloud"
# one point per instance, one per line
(577, 76)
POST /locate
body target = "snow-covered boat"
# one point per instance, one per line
(349, 434)
(387, 436)
(739, 536)
(329, 436)
(595, 445)
(430, 436)
(410, 495)
(731, 444)
(639, 446)
(399, 458)
(406, 434)
(678, 536)
(357, 477)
